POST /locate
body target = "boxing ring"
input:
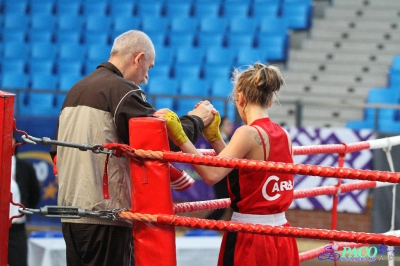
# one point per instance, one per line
(155, 214)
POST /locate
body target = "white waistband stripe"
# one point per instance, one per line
(267, 219)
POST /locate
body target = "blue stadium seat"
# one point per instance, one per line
(98, 52)
(213, 25)
(238, 41)
(39, 104)
(181, 72)
(43, 50)
(96, 7)
(160, 70)
(183, 106)
(72, 51)
(15, 50)
(41, 7)
(59, 100)
(184, 24)
(273, 25)
(216, 71)
(235, 9)
(159, 103)
(164, 55)
(42, 21)
(181, 39)
(183, 8)
(379, 95)
(249, 56)
(155, 24)
(67, 36)
(70, 22)
(210, 39)
(71, 67)
(162, 85)
(244, 25)
(121, 8)
(13, 35)
(40, 36)
(149, 9)
(125, 23)
(360, 124)
(89, 66)
(14, 80)
(190, 55)
(225, 108)
(44, 81)
(72, 7)
(298, 15)
(277, 46)
(16, 21)
(265, 9)
(13, 65)
(194, 87)
(98, 23)
(389, 126)
(43, 66)
(16, 7)
(394, 72)
(158, 38)
(220, 55)
(221, 87)
(394, 80)
(91, 37)
(206, 9)
(67, 80)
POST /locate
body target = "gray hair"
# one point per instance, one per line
(131, 42)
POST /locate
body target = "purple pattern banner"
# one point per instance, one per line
(354, 201)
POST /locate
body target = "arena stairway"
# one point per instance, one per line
(348, 51)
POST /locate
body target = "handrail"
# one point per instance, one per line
(299, 104)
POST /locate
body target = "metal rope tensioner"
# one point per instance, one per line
(97, 148)
(71, 212)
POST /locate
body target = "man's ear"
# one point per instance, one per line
(137, 57)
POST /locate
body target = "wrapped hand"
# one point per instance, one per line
(175, 130)
(211, 132)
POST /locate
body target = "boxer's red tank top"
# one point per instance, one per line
(261, 192)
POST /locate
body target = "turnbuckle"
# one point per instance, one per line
(97, 148)
(70, 212)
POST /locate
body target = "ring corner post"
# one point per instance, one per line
(151, 194)
(6, 129)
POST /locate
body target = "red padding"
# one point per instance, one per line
(151, 193)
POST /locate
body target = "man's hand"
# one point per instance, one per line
(205, 110)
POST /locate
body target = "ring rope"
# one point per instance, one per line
(299, 193)
(335, 148)
(322, 234)
(288, 168)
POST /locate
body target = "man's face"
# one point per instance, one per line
(144, 64)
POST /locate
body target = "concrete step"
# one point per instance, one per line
(365, 36)
(341, 57)
(337, 68)
(351, 46)
(357, 25)
(292, 77)
(367, 4)
(381, 13)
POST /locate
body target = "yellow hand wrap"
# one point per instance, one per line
(175, 130)
(211, 132)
